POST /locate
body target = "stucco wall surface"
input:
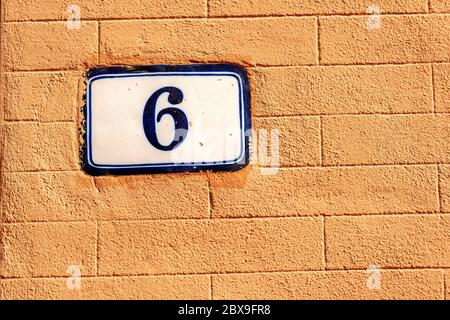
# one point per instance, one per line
(362, 105)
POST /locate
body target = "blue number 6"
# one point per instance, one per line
(179, 117)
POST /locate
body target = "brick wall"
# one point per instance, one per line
(364, 120)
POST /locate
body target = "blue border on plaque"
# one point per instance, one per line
(168, 70)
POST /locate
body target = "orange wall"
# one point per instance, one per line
(364, 120)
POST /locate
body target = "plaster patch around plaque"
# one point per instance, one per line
(155, 119)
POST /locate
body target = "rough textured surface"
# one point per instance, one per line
(402, 39)
(442, 85)
(159, 287)
(38, 146)
(420, 284)
(243, 41)
(49, 96)
(386, 139)
(49, 45)
(440, 5)
(447, 285)
(343, 90)
(396, 241)
(52, 196)
(299, 140)
(29, 10)
(210, 246)
(313, 191)
(32, 250)
(445, 188)
(364, 168)
(269, 7)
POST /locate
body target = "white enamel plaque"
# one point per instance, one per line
(166, 119)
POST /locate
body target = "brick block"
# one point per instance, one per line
(447, 285)
(401, 39)
(40, 96)
(311, 191)
(29, 10)
(398, 139)
(442, 87)
(440, 5)
(35, 146)
(343, 89)
(49, 46)
(210, 246)
(444, 183)
(310, 7)
(52, 196)
(299, 140)
(33, 250)
(340, 285)
(242, 41)
(415, 241)
(106, 288)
